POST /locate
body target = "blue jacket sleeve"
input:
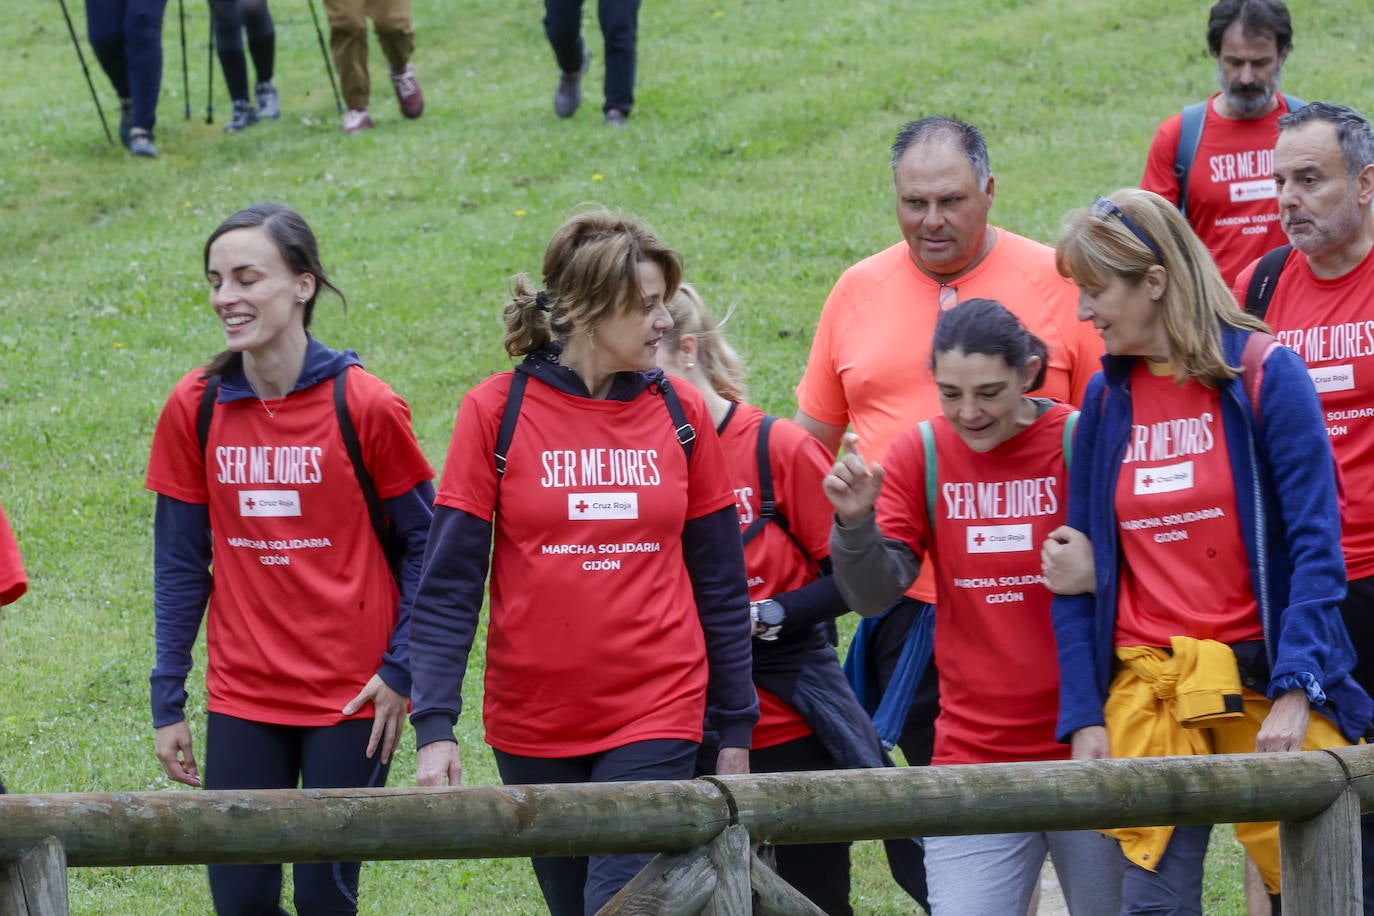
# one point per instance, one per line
(181, 587)
(443, 622)
(1313, 649)
(715, 563)
(1074, 616)
(411, 513)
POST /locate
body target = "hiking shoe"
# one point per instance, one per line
(126, 120)
(616, 118)
(568, 95)
(244, 116)
(356, 119)
(141, 143)
(408, 92)
(269, 106)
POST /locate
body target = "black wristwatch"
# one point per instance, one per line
(770, 615)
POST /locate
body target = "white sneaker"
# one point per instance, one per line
(356, 119)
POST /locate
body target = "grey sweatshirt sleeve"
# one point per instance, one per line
(872, 571)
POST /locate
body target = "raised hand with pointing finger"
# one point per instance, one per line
(853, 484)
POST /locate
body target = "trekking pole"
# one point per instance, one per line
(324, 51)
(210, 72)
(71, 29)
(185, 68)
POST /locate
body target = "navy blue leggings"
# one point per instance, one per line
(619, 29)
(574, 885)
(232, 18)
(126, 36)
(252, 755)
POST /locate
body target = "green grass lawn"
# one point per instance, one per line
(758, 148)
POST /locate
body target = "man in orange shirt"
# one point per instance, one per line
(870, 358)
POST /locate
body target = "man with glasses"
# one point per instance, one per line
(869, 366)
(1214, 160)
(1320, 302)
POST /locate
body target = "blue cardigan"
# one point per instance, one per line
(1286, 500)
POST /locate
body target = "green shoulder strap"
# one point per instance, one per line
(932, 473)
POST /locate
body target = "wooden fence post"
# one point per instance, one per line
(36, 884)
(731, 856)
(774, 896)
(670, 885)
(1320, 860)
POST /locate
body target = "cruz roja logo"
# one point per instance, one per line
(600, 506)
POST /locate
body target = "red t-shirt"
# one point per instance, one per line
(1330, 323)
(1184, 570)
(13, 583)
(594, 640)
(774, 563)
(1232, 202)
(999, 678)
(302, 603)
(870, 359)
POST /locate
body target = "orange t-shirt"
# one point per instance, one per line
(870, 359)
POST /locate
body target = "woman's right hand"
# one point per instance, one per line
(174, 751)
(1066, 562)
(853, 484)
(1090, 743)
(439, 764)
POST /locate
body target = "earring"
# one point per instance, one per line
(691, 365)
(300, 302)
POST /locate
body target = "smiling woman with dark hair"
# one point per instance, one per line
(309, 600)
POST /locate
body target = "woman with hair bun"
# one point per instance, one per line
(619, 613)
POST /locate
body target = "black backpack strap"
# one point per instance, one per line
(1190, 135)
(207, 410)
(768, 509)
(1265, 279)
(685, 433)
(509, 416)
(389, 540)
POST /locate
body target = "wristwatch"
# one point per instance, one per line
(770, 615)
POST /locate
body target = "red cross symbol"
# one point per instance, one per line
(1148, 481)
(979, 539)
(582, 506)
(250, 502)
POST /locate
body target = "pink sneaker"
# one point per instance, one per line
(408, 92)
(355, 120)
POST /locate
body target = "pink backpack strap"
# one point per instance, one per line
(1257, 350)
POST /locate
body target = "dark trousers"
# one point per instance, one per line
(577, 885)
(232, 18)
(1358, 612)
(126, 36)
(917, 740)
(818, 870)
(619, 21)
(252, 755)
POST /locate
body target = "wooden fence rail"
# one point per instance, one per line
(1317, 795)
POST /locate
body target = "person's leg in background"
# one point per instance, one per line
(563, 29)
(143, 51)
(396, 34)
(562, 879)
(348, 45)
(262, 47)
(620, 28)
(233, 62)
(105, 31)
